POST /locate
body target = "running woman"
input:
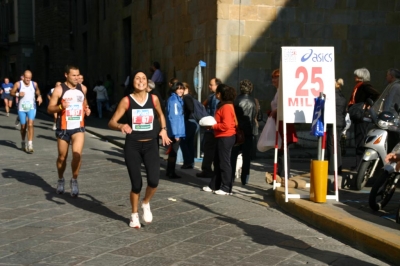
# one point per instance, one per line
(141, 142)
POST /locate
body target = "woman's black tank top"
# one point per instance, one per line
(142, 119)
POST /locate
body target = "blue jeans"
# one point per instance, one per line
(100, 106)
(187, 143)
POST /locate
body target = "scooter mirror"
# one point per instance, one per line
(370, 102)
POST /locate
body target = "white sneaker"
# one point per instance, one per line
(29, 148)
(54, 126)
(8, 114)
(147, 215)
(74, 187)
(207, 189)
(134, 223)
(221, 192)
(60, 186)
(16, 121)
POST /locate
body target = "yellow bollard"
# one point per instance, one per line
(318, 180)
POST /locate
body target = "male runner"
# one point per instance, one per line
(69, 101)
(27, 91)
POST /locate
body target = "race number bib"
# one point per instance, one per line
(26, 106)
(142, 119)
(74, 112)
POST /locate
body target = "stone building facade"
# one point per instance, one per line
(236, 38)
(17, 33)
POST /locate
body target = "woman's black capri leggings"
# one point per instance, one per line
(147, 152)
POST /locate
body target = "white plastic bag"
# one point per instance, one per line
(348, 123)
(267, 137)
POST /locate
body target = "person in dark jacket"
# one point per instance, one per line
(175, 125)
(361, 92)
(245, 109)
(191, 128)
(341, 105)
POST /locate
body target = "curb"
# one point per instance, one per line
(338, 222)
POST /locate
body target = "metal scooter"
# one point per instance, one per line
(384, 187)
(376, 141)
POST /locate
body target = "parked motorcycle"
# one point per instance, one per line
(376, 141)
(384, 187)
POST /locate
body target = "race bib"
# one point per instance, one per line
(26, 106)
(142, 119)
(74, 112)
(7, 90)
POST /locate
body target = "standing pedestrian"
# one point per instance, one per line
(191, 128)
(101, 97)
(29, 93)
(225, 135)
(361, 92)
(209, 141)
(175, 125)
(341, 107)
(141, 143)
(245, 109)
(69, 101)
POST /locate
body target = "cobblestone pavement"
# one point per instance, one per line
(190, 227)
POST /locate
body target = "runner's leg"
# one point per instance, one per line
(78, 139)
(62, 146)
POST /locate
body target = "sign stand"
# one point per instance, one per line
(305, 73)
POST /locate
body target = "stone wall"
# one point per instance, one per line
(365, 33)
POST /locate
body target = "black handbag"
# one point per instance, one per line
(356, 112)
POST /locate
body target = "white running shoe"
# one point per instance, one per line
(60, 186)
(134, 223)
(74, 187)
(147, 215)
(29, 148)
(16, 121)
(221, 192)
(8, 114)
(207, 189)
(54, 126)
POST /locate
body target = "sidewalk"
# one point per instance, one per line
(351, 222)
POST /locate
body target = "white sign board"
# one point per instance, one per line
(306, 72)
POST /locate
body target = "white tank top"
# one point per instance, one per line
(27, 102)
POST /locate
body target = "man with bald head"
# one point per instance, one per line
(28, 93)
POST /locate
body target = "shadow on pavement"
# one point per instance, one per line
(9, 143)
(93, 205)
(268, 237)
(9, 128)
(46, 137)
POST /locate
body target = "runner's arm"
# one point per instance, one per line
(38, 94)
(85, 103)
(163, 133)
(53, 106)
(14, 90)
(121, 109)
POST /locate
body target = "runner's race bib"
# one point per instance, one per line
(142, 119)
(74, 112)
(26, 106)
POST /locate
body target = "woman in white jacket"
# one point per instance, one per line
(102, 97)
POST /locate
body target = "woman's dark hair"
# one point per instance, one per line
(227, 94)
(176, 86)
